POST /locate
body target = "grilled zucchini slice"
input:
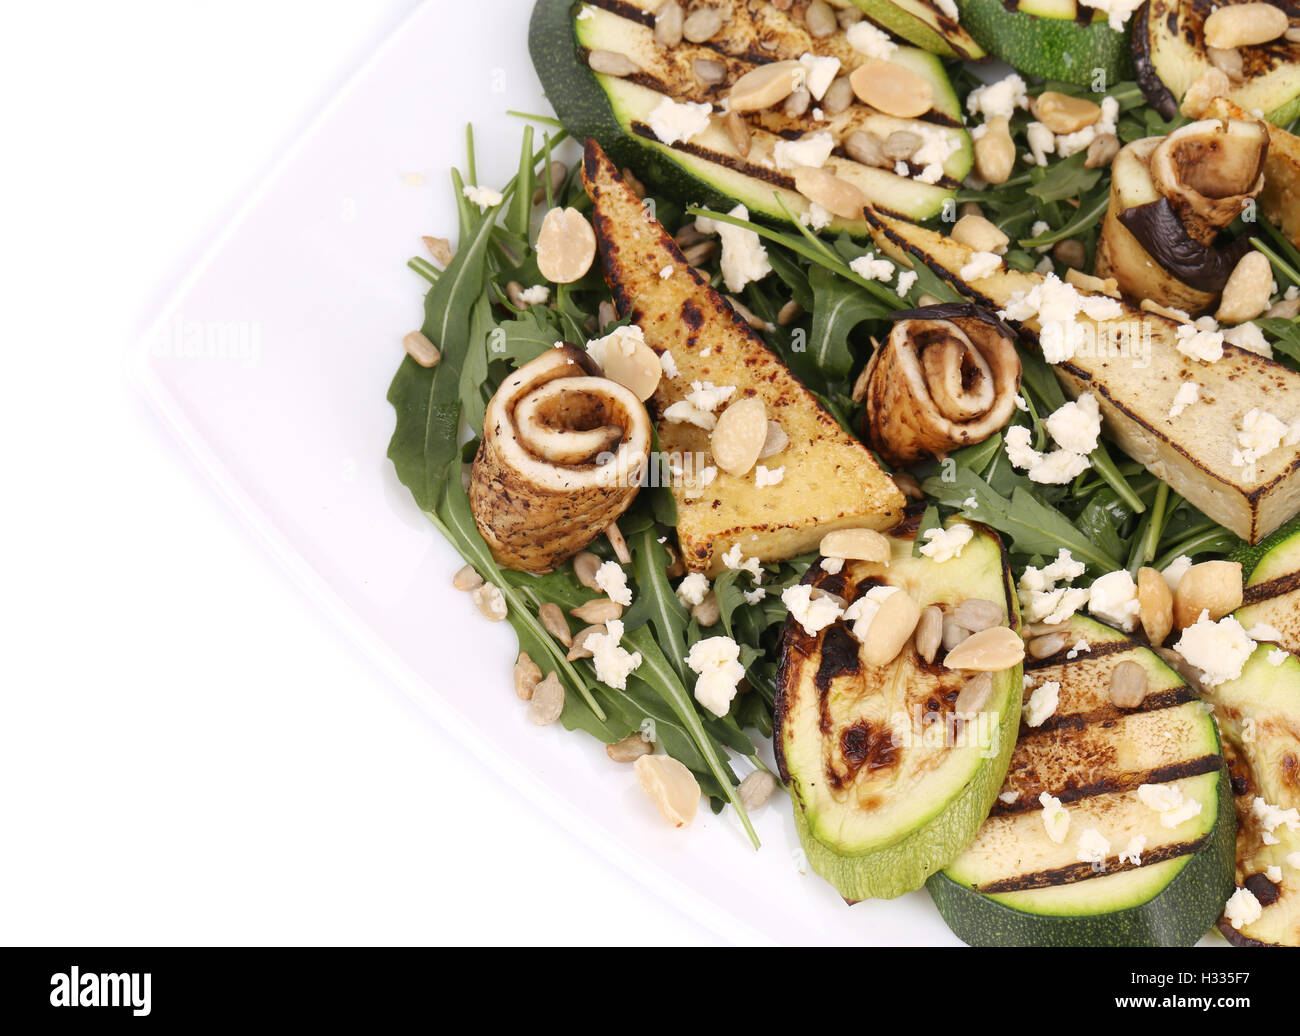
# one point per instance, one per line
(709, 168)
(1016, 886)
(888, 785)
(1054, 39)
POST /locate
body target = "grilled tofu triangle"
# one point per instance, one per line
(830, 480)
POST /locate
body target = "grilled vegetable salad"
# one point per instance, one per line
(892, 408)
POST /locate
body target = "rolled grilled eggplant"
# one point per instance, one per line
(1170, 199)
(561, 458)
(946, 377)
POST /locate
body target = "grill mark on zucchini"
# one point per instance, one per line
(624, 10)
(1113, 785)
(1099, 651)
(1077, 872)
(1154, 702)
(1277, 587)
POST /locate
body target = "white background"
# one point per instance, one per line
(189, 752)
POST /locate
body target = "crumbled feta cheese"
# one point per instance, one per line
(833, 566)
(1113, 599)
(1133, 851)
(764, 476)
(906, 280)
(949, 8)
(708, 396)
(716, 660)
(613, 663)
(817, 217)
(1188, 393)
(484, 197)
(668, 364)
(819, 73)
(587, 12)
(1077, 425)
(1219, 650)
(1079, 647)
(665, 273)
(812, 150)
(1042, 703)
(1044, 266)
(1094, 848)
(537, 295)
(1172, 818)
(1272, 817)
(1042, 142)
(1063, 569)
(1250, 338)
(980, 264)
(611, 578)
(862, 612)
(866, 39)
(683, 412)
(1160, 797)
(1263, 631)
(813, 614)
(1056, 305)
(755, 595)
(673, 121)
(693, 589)
(998, 99)
(1206, 346)
(1260, 434)
(735, 560)
(1274, 874)
(1175, 571)
(624, 339)
(1118, 12)
(1040, 227)
(1056, 819)
(744, 259)
(1053, 607)
(870, 268)
(945, 544)
(1243, 909)
(1008, 797)
(1055, 468)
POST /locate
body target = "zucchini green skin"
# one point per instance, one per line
(585, 111)
(1051, 48)
(1251, 557)
(902, 18)
(888, 872)
(1182, 912)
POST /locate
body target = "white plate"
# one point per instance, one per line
(272, 364)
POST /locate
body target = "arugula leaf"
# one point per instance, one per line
(1064, 179)
(838, 308)
(656, 597)
(1033, 527)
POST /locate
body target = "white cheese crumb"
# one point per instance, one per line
(1272, 817)
(1219, 650)
(665, 273)
(668, 364)
(1042, 703)
(611, 578)
(870, 268)
(1188, 393)
(1172, 818)
(819, 73)
(1113, 599)
(755, 595)
(707, 396)
(1042, 142)
(817, 217)
(537, 295)
(484, 197)
(716, 660)
(1021, 405)
(764, 477)
(672, 121)
(693, 589)
(1243, 909)
(812, 150)
(1076, 426)
(1094, 848)
(1276, 657)
(814, 615)
(862, 612)
(1118, 11)
(998, 99)
(614, 664)
(1263, 631)
(1160, 797)
(736, 560)
(1250, 338)
(945, 544)
(866, 39)
(624, 339)
(1206, 346)
(744, 259)
(906, 280)
(1009, 797)
(1133, 851)
(980, 264)
(833, 566)
(1175, 571)
(1056, 819)
(1259, 435)
(683, 412)
(1274, 874)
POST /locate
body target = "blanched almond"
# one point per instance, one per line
(856, 545)
(892, 89)
(739, 435)
(566, 246)
(764, 86)
(995, 151)
(1211, 586)
(1245, 25)
(671, 786)
(1155, 605)
(890, 629)
(1247, 292)
(978, 233)
(637, 369)
(991, 650)
(835, 195)
(1062, 113)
